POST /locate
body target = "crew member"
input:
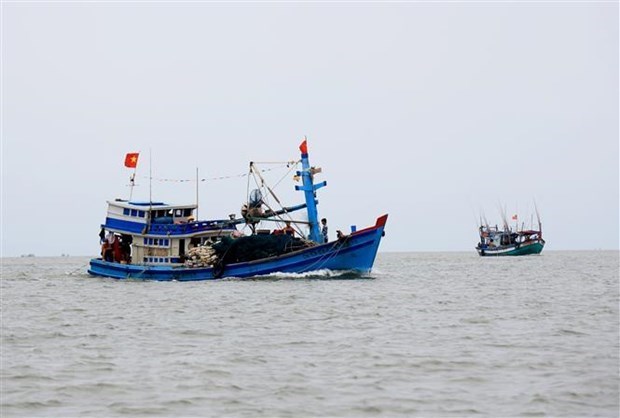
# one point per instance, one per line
(288, 229)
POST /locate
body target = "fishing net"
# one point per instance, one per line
(254, 247)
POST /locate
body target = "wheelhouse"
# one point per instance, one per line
(156, 233)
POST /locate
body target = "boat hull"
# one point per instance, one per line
(534, 247)
(355, 252)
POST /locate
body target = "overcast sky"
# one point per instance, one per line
(431, 112)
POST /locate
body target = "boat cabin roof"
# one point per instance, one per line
(146, 205)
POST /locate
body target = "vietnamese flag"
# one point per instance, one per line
(514, 217)
(304, 147)
(131, 159)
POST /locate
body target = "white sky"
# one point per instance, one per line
(431, 112)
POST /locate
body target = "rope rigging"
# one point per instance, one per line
(265, 192)
(286, 164)
(262, 184)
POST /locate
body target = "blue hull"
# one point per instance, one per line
(356, 252)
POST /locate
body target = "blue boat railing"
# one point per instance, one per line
(189, 228)
(168, 228)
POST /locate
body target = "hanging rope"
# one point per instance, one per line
(292, 167)
(169, 180)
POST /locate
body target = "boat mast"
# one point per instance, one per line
(132, 182)
(502, 210)
(539, 223)
(131, 160)
(197, 181)
(309, 189)
(150, 219)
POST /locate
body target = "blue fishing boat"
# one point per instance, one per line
(158, 241)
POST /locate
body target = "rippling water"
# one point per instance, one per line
(424, 335)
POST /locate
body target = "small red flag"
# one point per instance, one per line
(304, 147)
(131, 159)
(514, 217)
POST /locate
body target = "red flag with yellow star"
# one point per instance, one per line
(131, 159)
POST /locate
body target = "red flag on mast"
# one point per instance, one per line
(304, 147)
(131, 159)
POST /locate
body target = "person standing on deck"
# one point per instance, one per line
(106, 251)
(324, 230)
(288, 229)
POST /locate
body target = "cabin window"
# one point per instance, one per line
(159, 242)
(126, 211)
(156, 259)
(187, 212)
(134, 212)
(141, 213)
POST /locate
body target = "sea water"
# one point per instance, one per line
(425, 334)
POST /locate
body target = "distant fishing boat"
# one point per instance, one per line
(509, 242)
(158, 241)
